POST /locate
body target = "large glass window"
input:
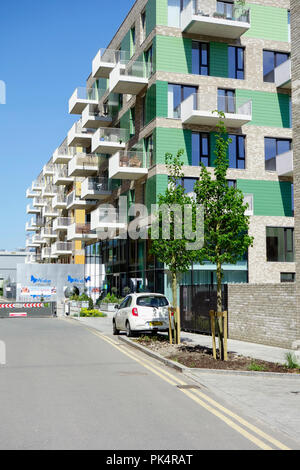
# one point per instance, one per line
(176, 95)
(200, 149)
(225, 8)
(236, 62)
(271, 61)
(236, 152)
(149, 150)
(200, 58)
(275, 147)
(174, 10)
(149, 61)
(188, 184)
(280, 244)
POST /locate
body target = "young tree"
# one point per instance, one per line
(172, 249)
(226, 226)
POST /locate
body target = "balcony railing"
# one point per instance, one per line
(61, 223)
(200, 108)
(95, 188)
(83, 96)
(63, 154)
(83, 164)
(109, 140)
(128, 79)
(48, 170)
(107, 218)
(201, 17)
(96, 116)
(127, 165)
(105, 60)
(61, 176)
(79, 136)
(61, 248)
(79, 231)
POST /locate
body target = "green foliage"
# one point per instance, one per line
(173, 252)
(111, 299)
(85, 312)
(226, 226)
(256, 367)
(126, 291)
(83, 298)
(291, 361)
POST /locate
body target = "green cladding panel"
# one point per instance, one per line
(171, 141)
(126, 43)
(271, 109)
(271, 198)
(218, 59)
(173, 54)
(268, 23)
(156, 14)
(156, 101)
(154, 186)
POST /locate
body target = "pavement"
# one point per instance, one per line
(67, 386)
(273, 399)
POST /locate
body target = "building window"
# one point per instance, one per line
(287, 277)
(175, 8)
(280, 244)
(271, 60)
(236, 62)
(132, 122)
(226, 100)
(236, 152)
(133, 39)
(176, 95)
(188, 184)
(226, 9)
(149, 61)
(200, 149)
(149, 150)
(231, 183)
(274, 147)
(143, 27)
(200, 58)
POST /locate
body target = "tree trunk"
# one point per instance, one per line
(174, 295)
(219, 310)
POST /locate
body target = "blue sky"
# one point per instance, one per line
(46, 51)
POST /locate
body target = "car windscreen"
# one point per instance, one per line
(152, 301)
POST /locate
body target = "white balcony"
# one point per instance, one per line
(48, 233)
(95, 188)
(31, 226)
(199, 109)
(30, 193)
(39, 202)
(59, 201)
(107, 218)
(79, 136)
(129, 80)
(61, 224)
(63, 154)
(32, 210)
(83, 165)
(48, 211)
(38, 239)
(94, 117)
(32, 258)
(61, 248)
(47, 254)
(109, 140)
(127, 165)
(48, 170)
(75, 202)
(200, 18)
(285, 164)
(105, 61)
(36, 187)
(78, 231)
(81, 98)
(249, 199)
(61, 177)
(283, 75)
(49, 190)
(30, 243)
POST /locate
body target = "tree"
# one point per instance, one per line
(173, 249)
(226, 226)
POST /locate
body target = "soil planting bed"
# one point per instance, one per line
(202, 357)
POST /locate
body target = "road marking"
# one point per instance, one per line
(172, 380)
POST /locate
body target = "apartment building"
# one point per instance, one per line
(153, 90)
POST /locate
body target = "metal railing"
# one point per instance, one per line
(108, 134)
(111, 56)
(131, 159)
(98, 184)
(211, 102)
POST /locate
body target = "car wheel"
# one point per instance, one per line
(115, 330)
(129, 333)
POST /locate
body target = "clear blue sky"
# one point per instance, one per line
(46, 51)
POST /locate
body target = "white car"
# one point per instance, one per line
(140, 313)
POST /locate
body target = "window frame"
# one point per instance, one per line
(199, 49)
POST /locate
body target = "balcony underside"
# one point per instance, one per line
(207, 118)
(216, 27)
(97, 195)
(79, 140)
(78, 106)
(129, 85)
(107, 147)
(102, 69)
(86, 170)
(128, 173)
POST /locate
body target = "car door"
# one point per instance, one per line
(126, 312)
(118, 317)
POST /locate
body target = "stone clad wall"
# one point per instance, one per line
(263, 313)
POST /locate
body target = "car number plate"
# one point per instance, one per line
(156, 323)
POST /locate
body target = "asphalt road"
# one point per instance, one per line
(65, 386)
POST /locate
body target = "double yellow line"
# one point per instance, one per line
(218, 410)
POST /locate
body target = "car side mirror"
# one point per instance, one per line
(117, 307)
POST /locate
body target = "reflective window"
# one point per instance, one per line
(236, 62)
(271, 60)
(200, 58)
(275, 147)
(236, 152)
(200, 149)
(226, 100)
(176, 95)
(280, 244)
